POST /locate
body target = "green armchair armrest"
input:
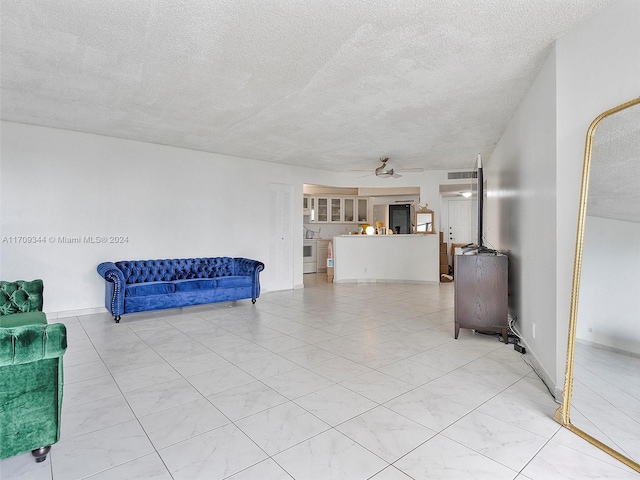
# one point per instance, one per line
(31, 381)
(30, 343)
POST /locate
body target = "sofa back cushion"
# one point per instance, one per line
(20, 296)
(169, 270)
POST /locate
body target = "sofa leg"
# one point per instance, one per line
(41, 453)
(253, 300)
(117, 318)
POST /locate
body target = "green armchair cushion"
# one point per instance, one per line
(26, 318)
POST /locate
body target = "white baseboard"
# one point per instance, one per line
(75, 313)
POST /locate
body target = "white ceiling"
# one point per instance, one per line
(322, 83)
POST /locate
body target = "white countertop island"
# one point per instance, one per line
(386, 258)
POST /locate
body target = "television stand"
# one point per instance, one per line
(481, 291)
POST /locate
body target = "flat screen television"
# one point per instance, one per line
(480, 244)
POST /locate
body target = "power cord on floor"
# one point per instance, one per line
(522, 351)
(514, 337)
(539, 376)
(514, 332)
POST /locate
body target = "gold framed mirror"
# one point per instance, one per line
(424, 221)
(601, 396)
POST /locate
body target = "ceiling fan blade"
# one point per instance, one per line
(410, 169)
(367, 175)
(396, 175)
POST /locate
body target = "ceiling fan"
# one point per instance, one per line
(384, 172)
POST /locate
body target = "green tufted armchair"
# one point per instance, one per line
(30, 372)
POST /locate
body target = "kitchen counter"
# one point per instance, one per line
(387, 258)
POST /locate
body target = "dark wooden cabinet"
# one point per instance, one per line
(481, 293)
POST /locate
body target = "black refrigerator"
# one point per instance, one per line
(400, 217)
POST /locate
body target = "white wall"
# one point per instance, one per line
(534, 172)
(520, 215)
(167, 202)
(609, 299)
(405, 258)
(598, 67)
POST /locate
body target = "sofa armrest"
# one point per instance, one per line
(252, 268)
(114, 292)
(30, 343)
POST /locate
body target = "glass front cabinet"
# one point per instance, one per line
(336, 209)
(323, 209)
(363, 209)
(349, 207)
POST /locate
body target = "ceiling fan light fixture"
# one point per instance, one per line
(466, 194)
(384, 173)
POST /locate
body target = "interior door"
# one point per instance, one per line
(279, 269)
(462, 221)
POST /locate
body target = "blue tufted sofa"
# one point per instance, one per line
(143, 285)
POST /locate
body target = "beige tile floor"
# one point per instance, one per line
(355, 381)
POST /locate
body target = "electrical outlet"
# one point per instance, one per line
(533, 330)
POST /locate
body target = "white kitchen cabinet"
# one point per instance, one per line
(363, 210)
(336, 210)
(322, 204)
(349, 209)
(325, 209)
(322, 252)
(329, 209)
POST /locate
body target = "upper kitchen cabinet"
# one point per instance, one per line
(329, 209)
(323, 209)
(363, 210)
(306, 205)
(349, 209)
(336, 210)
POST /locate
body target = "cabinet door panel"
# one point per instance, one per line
(481, 289)
(336, 209)
(363, 205)
(323, 209)
(349, 210)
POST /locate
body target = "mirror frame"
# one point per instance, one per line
(423, 211)
(563, 413)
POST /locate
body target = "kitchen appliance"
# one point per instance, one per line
(309, 256)
(400, 218)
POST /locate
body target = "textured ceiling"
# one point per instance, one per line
(322, 83)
